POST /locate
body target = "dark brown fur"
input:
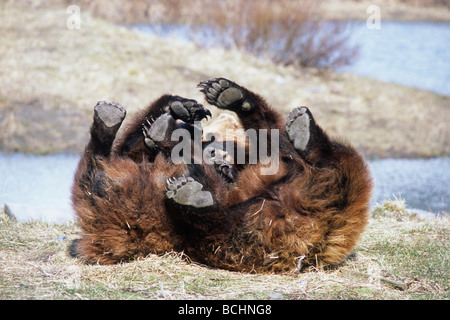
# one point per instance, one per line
(311, 212)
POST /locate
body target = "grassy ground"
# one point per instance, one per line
(399, 257)
(51, 77)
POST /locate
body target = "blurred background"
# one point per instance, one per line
(375, 73)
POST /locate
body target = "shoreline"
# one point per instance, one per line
(51, 77)
(50, 80)
(394, 179)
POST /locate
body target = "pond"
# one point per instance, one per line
(414, 54)
(423, 183)
(38, 187)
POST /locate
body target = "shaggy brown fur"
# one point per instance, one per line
(311, 212)
(118, 190)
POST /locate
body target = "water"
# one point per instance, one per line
(423, 183)
(38, 187)
(415, 54)
(411, 53)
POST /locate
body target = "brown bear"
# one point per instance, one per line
(132, 199)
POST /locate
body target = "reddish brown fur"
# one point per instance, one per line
(315, 217)
(312, 212)
(128, 222)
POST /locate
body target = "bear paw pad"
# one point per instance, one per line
(187, 110)
(185, 191)
(155, 130)
(225, 94)
(110, 114)
(298, 128)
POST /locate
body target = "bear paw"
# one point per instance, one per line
(156, 130)
(225, 94)
(188, 192)
(225, 169)
(299, 124)
(109, 115)
(187, 110)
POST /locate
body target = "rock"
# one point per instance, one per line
(276, 296)
(9, 213)
(164, 294)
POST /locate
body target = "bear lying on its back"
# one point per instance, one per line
(132, 199)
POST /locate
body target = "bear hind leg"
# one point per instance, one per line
(108, 117)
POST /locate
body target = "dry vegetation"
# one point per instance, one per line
(287, 32)
(284, 31)
(51, 77)
(146, 11)
(399, 257)
(399, 10)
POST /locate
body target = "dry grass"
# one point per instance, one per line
(286, 32)
(51, 77)
(398, 10)
(398, 258)
(162, 11)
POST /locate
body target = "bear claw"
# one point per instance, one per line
(226, 169)
(185, 191)
(155, 130)
(187, 110)
(224, 94)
